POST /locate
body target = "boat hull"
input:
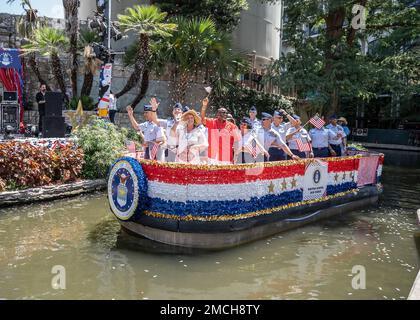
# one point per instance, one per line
(216, 235)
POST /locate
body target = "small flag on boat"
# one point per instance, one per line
(154, 151)
(317, 122)
(253, 148)
(303, 146)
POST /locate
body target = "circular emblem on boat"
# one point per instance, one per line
(125, 182)
(317, 176)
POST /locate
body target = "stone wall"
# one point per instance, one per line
(160, 86)
(121, 119)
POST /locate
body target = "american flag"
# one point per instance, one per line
(254, 150)
(303, 146)
(317, 122)
(154, 151)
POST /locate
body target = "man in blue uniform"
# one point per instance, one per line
(151, 133)
(337, 141)
(320, 141)
(253, 118)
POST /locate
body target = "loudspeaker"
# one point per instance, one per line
(54, 104)
(53, 127)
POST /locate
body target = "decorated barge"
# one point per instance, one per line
(216, 207)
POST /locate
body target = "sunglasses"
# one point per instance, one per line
(265, 119)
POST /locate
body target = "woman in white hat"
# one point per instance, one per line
(190, 139)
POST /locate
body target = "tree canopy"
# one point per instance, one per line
(330, 61)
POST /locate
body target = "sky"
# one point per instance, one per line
(49, 8)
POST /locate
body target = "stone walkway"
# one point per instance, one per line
(50, 192)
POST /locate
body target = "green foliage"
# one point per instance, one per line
(47, 41)
(329, 67)
(147, 20)
(87, 102)
(102, 144)
(239, 100)
(226, 14)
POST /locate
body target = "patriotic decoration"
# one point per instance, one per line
(253, 150)
(221, 193)
(303, 146)
(368, 170)
(317, 122)
(51, 143)
(154, 151)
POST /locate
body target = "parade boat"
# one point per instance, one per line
(221, 206)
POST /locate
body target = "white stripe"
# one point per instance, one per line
(341, 178)
(380, 168)
(220, 192)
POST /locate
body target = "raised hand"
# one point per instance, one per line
(154, 103)
(206, 102)
(130, 111)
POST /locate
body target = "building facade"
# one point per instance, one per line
(256, 36)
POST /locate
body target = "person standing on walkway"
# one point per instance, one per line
(40, 99)
(112, 107)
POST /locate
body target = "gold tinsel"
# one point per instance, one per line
(247, 215)
(241, 166)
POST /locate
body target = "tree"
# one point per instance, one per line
(328, 62)
(197, 46)
(71, 12)
(25, 26)
(156, 63)
(50, 42)
(226, 14)
(87, 38)
(146, 21)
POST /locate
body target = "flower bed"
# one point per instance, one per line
(23, 165)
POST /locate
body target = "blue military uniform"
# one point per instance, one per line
(336, 141)
(320, 141)
(269, 137)
(152, 133)
(277, 154)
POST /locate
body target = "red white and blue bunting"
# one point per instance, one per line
(212, 193)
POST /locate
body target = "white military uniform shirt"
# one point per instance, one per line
(302, 134)
(336, 129)
(321, 137)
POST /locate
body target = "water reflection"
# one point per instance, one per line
(104, 262)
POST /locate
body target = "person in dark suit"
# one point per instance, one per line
(40, 99)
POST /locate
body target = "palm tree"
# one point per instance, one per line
(197, 45)
(50, 43)
(87, 38)
(71, 10)
(25, 26)
(146, 21)
(155, 63)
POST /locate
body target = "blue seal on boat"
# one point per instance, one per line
(127, 188)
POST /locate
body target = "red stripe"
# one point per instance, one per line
(345, 165)
(222, 176)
